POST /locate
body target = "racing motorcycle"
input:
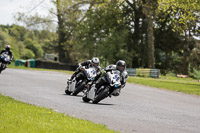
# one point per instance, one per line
(4, 59)
(87, 77)
(111, 87)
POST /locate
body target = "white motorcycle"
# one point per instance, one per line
(87, 76)
(112, 85)
(4, 59)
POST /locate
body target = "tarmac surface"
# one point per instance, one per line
(138, 109)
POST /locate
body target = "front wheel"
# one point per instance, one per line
(1, 67)
(102, 95)
(79, 88)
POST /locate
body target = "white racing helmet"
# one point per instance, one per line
(95, 61)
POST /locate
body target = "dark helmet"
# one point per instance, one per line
(95, 61)
(7, 47)
(121, 65)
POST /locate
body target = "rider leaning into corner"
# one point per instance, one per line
(121, 66)
(8, 52)
(94, 62)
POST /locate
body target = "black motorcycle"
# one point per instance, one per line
(85, 76)
(4, 60)
(111, 86)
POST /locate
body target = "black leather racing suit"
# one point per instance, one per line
(8, 52)
(123, 78)
(87, 64)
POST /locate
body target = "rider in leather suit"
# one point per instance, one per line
(89, 63)
(121, 66)
(8, 52)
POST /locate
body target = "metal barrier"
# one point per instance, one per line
(19, 62)
(131, 71)
(154, 73)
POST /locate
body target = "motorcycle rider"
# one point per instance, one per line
(94, 62)
(9, 53)
(121, 66)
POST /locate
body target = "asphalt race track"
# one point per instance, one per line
(138, 109)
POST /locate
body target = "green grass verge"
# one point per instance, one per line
(19, 117)
(185, 85)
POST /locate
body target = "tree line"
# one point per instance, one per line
(26, 43)
(145, 33)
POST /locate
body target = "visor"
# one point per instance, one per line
(95, 64)
(120, 68)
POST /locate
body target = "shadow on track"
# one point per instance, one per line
(72, 95)
(88, 102)
(98, 103)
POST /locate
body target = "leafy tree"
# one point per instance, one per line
(5, 39)
(149, 9)
(69, 15)
(25, 43)
(103, 27)
(34, 47)
(136, 41)
(185, 15)
(194, 56)
(28, 54)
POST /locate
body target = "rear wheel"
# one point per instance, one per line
(79, 88)
(103, 94)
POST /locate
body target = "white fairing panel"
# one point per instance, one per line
(114, 77)
(7, 59)
(91, 93)
(72, 86)
(91, 72)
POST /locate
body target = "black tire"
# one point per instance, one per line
(1, 67)
(79, 88)
(85, 99)
(102, 95)
(1, 70)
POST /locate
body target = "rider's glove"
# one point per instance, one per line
(103, 71)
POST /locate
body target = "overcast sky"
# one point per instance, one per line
(9, 7)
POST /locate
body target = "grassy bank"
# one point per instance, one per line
(18, 117)
(185, 85)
